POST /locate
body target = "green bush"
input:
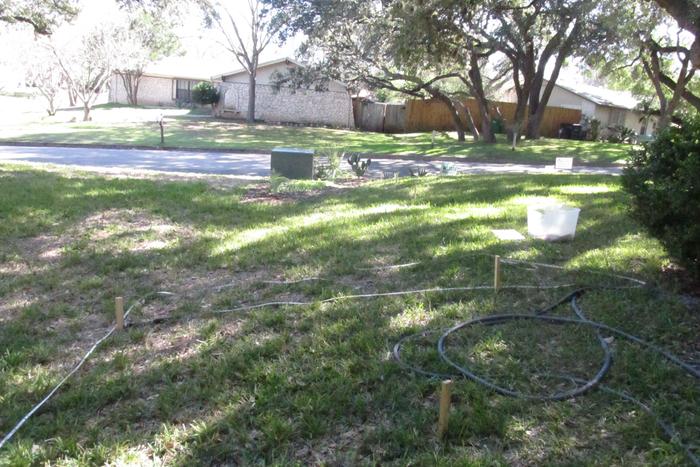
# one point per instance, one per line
(664, 181)
(205, 93)
(621, 134)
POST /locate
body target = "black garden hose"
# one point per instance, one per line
(582, 385)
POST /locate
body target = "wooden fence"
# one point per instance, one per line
(379, 117)
(429, 114)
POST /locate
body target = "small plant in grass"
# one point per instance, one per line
(358, 165)
(276, 182)
(205, 93)
(279, 184)
(664, 180)
(418, 172)
(329, 170)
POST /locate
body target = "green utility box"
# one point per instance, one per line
(293, 163)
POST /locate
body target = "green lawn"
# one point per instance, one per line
(316, 383)
(128, 126)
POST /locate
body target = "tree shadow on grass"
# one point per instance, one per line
(290, 383)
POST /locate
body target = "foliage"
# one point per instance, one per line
(205, 93)
(591, 126)
(664, 181)
(419, 172)
(230, 21)
(621, 134)
(358, 165)
(647, 54)
(390, 46)
(331, 168)
(149, 38)
(87, 60)
(280, 184)
(42, 15)
(43, 73)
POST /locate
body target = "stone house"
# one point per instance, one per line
(157, 87)
(275, 104)
(331, 106)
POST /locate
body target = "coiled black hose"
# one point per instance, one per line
(582, 387)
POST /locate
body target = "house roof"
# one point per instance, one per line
(602, 96)
(276, 61)
(184, 67)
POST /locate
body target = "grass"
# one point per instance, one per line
(136, 126)
(316, 384)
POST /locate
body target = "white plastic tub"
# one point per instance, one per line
(556, 222)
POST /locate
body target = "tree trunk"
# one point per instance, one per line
(71, 98)
(468, 118)
(52, 107)
(131, 80)
(477, 89)
(518, 120)
(251, 97)
(538, 103)
(136, 89)
(459, 125)
(86, 111)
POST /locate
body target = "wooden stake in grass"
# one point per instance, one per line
(119, 312)
(496, 273)
(445, 402)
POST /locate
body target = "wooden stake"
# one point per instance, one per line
(119, 312)
(496, 273)
(445, 402)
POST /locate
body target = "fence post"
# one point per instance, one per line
(119, 312)
(445, 402)
(496, 273)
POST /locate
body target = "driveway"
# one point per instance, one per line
(239, 164)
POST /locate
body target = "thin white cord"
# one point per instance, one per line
(56, 388)
(393, 266)
(554, 266)
(24, 419)
(111, 330)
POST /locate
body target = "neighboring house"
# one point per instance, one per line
(169, 87)
(611, 108)
(166, 84)
(331, 106)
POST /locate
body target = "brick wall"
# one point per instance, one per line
(286, 105)
(152, 91)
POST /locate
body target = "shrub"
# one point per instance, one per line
(592, 126)
(621, 134)
(664, 180)
(205, 93)
(331, 169)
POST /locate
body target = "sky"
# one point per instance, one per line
(200, 45)
(202, 54)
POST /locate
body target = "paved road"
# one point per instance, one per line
(240, 164)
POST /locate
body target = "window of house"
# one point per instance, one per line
(617, 117)
(183, 89)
